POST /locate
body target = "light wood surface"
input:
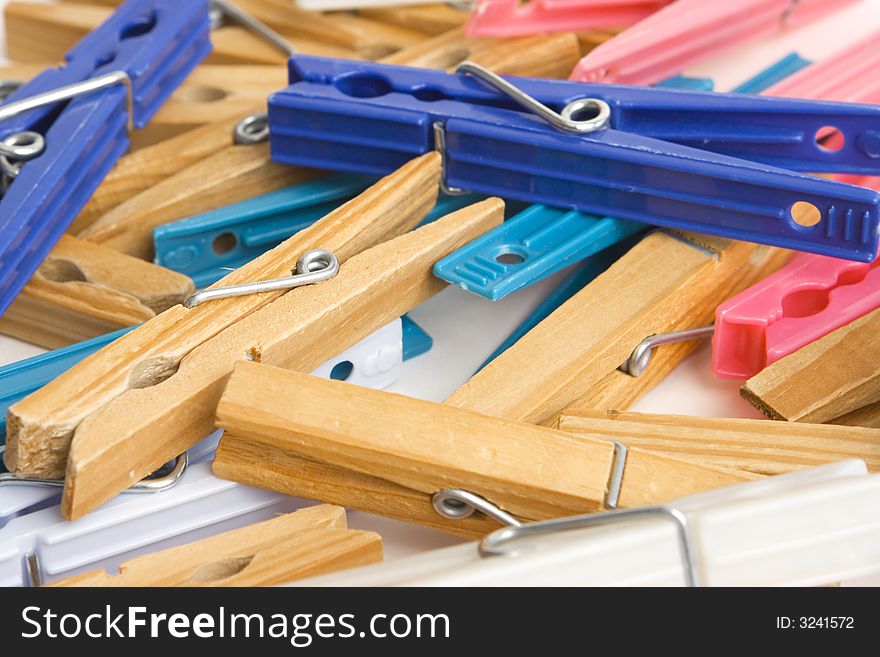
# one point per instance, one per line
(530, 471)
(659, 281)
(759, 446)
(233, 174)
(548, 56)
(143, 169)
(430, 19)
(312, 541)
(83, 290)
(617, 390)
(834, 376)
(41, 426)
(139, 430)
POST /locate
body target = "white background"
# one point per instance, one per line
(467, 329)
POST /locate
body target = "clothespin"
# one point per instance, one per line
(342, 5)
(240, 170)
(809, 298)
(406, 458)
(41, 33)
(757, 446)
(867, 416)
(42, 546)
(846, 76)
(82, 291)
(491, 149)
(749, 534)
(540, 56)
(575, 352)
(829, 378)
(506, 18)
(50, 174)
(535, 244)
(147, 167)
(168, 385)
(308, 542)
(687, 31)
(207, 245)
(432, 19)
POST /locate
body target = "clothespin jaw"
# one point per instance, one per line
(127, 68)
(809, 298)
(417, 454)
(367, 118)
(504, 18)
(687, 31)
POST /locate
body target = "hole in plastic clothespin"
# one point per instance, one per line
(830, 139)
(342, 371)
(139, 27)
(805, 214)
(224, 243)
(364, 85)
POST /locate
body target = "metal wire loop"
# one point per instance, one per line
(314, 266)
(641, 356)
(500, 542)
(457, 504)
(253, 129)
(153, 484)
(440, 147)
(567, 121)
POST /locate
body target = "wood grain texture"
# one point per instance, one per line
(145, 168)
(142, 428)
(530, 471)
(657, 282)
(233, 174)
(617, 390)
(45, 32)
(83, 290)
(309, 542)
(868, 416)
(272, 468)
(549, 56)
(759, 446)
(834, 376)
(430, 19)
(41, 426)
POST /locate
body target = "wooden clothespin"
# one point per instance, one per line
(665, 279)
(212, 94)
(830, 378)
(44, 32)
(370, 38)
(309, 542)
(183, 356)
(618, 390)
(149, 166)
(550, 56)
(758, 446)
(236, 172)
(868, 416)
(389, 454)
(83, 290)
(430, 19)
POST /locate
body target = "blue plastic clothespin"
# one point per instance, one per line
(538, 243)
(535, 244)
(53, 159)
(18, 380)
(669, 158)
(585, 272)
(206, 246)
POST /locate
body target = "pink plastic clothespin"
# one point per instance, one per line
(809, 298)
(501, 18)
(666, 42)
(849, 76)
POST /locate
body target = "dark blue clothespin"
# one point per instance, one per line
(61, 132)
(696, 161)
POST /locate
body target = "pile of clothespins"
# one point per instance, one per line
(217, 216)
